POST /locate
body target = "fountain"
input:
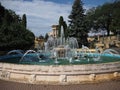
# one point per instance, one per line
(15, 51)
(110, 51)
(55, 42)
(62, 51)
(33, 56)
(73, 66)
(61, 45)
(28, 51)
(61, 63)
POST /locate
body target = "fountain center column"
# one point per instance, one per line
(62, 37)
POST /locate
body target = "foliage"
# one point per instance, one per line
(41, 37)
(106, 16)
(62, 23)
(24, 22)
(78, 23)
(13, 34)
(46, 36)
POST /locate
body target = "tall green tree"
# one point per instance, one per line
(46, 36)
(106, 16)
(77, 26)
(65, 29)
(24, 21)
(2, 11)
(62, 23)
(115, 21)
(13, 35)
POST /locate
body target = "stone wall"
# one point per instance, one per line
(105, 41)
(59, 74)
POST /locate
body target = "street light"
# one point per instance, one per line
(118, 35)
(103, 34)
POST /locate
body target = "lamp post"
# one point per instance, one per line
(109, 22)
(103, 34)
(118, 35)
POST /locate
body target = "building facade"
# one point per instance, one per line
(54, 31)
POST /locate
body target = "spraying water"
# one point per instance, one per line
(15, 51)
(53, 42)
(30, 51)
(110, 51)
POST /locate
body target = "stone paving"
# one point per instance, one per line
(108, 85)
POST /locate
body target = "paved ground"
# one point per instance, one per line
(111, 85)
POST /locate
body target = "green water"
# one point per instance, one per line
(103, 59)
(33, 60)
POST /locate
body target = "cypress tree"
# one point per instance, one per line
(62, 23)
(46, 36)
(24, 22)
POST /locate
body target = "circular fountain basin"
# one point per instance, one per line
(45, 59)
(82, 71)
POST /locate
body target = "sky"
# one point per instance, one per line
(42, 14)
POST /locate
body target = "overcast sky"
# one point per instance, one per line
(42, 14)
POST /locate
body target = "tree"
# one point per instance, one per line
(62, 23)
(65, 29)
(24, 22)
(46, 36)
(115, 22)
(106, 16)
(41, 37)
(77, 26)
(2, 11)
(13, 35)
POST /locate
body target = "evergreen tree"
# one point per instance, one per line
(13, 35)
(46, 36)
(77, 26)
(65, 29)
(41, 37)
(62, 23)
(24, 22)
(2, 11)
